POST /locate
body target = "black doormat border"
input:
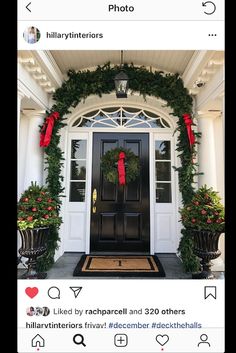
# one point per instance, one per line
(78, 273)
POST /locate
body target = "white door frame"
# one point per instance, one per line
(73, 131)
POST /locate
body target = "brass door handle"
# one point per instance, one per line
(94, 199)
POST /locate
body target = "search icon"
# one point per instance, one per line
(54, 293)
(80, 340)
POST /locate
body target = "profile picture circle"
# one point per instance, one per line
(31, 35)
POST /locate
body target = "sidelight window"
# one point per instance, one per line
(78, 170)
(163, 171)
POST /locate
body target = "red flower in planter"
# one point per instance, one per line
(204, 212)
(32, 206)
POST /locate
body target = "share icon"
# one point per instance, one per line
(76, 290)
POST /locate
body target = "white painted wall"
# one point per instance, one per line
(34, 153)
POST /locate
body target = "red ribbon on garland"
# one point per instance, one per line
(46, 132)
(121, 168)
(188, 122)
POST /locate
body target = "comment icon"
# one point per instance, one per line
(54, 293)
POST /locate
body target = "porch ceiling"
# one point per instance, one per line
(166, 60)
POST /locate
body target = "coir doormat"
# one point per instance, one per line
(119, 266)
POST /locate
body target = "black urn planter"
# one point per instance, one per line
(33, 246)
(205, 246)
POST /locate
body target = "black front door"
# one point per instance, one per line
(121, 221)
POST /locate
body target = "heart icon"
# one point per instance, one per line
(31, 292)
(162, 339)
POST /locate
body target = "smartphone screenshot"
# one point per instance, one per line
(120, 204)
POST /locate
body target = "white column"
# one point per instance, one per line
(206, 152)
(20, 95)
(209, 158)
(34, 153)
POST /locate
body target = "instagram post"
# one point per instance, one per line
(120, 198)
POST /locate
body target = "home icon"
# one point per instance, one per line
(38, 341)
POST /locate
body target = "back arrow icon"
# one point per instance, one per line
(27, 7)
(212, 4)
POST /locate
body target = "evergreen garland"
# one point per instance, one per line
(168, 87)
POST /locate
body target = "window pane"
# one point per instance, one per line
(107, 146)
(134, 147)
(77, 191)
(94, 112)
(163, 192)
(78, 170)
(163, 171)
(162, 149)
(78, 149)
(156, 123)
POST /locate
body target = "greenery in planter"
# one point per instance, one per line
(168, 87)
(37, 208)
(204, 212)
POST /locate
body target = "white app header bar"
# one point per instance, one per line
(68, 35)
(102, 10)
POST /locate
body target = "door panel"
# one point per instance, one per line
(121, 222)
(132, 226)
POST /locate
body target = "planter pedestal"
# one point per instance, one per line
(205, 246)
(33, 246)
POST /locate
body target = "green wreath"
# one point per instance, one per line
(109, 165)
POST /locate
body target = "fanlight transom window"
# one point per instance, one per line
(121, 117)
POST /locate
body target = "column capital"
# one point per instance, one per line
(205, 114)
(34, 113)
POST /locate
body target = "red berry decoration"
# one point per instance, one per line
(34, 211)
(204, 211)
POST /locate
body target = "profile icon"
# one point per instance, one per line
(46, 311)
(204, 340)
(30, 311)
(31, 35)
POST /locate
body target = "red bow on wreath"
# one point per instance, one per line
(188, 122)
(46, 132)
(121, 168)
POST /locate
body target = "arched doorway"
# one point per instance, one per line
(137, 218)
